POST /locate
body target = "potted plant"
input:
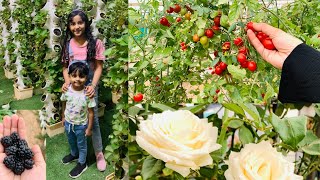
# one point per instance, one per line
(54, 126)
(101, 108)
(26, 91)
(9, 70)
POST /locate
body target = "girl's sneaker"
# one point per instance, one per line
(101, 162)
(78, 170)
(69, 158)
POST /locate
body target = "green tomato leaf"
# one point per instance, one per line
(201, 23)
(313, 148)
(235, 10)
(234, 107)
(222, 2)
(134, 110)
(206, 172)
(169, 34)
(161, 107)
(245, 135)
(251, 110)
(291, 130)
(236, 72)
(195, 109)
(235, 124)
(308, 139)
(232, 27)
(269, 94)
(224, 21)
(150, 167)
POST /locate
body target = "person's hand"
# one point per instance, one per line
(65, 87)
(88, 132)
(62, 120)
(90, 91)
(284, 43)
(16, 124)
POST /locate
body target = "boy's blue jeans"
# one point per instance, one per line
(77, 140)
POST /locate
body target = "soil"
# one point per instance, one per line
(33, 129)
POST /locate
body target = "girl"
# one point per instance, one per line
(80, 45)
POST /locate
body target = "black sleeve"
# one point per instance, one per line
(300, 77)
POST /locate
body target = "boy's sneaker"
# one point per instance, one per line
(69, 158)
(78, 170)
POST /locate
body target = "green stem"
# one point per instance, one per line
(225, 123)
(305, 172)
(300, 164)
(284, 24)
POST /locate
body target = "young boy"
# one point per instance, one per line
(77, 117)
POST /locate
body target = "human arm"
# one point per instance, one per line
(96, 77)
(99, 59)
(300, 64)
(90, 122)
(63, 110)
(284, 43)
(65, 77)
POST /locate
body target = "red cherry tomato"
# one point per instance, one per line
(218, 70)
(138, 97)
(177, 8)
(164, 21)
(250, 26)
(243, 50)
(268, 44)
(238, 41)
(216, 21)
(216, 53)
(226, 46)
(215, 29)
(244, 64)
(178, 19)
(261, 36)
(217, 91)
(209, 33)
(241, 58)
(223, 65)
(252, 66)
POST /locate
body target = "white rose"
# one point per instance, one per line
(180, 139)
(259, 162)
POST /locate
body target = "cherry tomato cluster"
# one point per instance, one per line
(176, 9)
(186, 12)
(138, 97)
(184, 46)
(204, 35)
(219, 68)
(263, 38)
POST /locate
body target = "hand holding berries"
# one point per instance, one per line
(19, 155)
(19, 161)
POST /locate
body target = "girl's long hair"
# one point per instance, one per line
(91, 47)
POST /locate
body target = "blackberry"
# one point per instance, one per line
(18, 170)
(10, 162)
(28, 163)
(11, 150)
(21, 143)
(15, 137)
(6, 141)
(24, 153)
(19, 155)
